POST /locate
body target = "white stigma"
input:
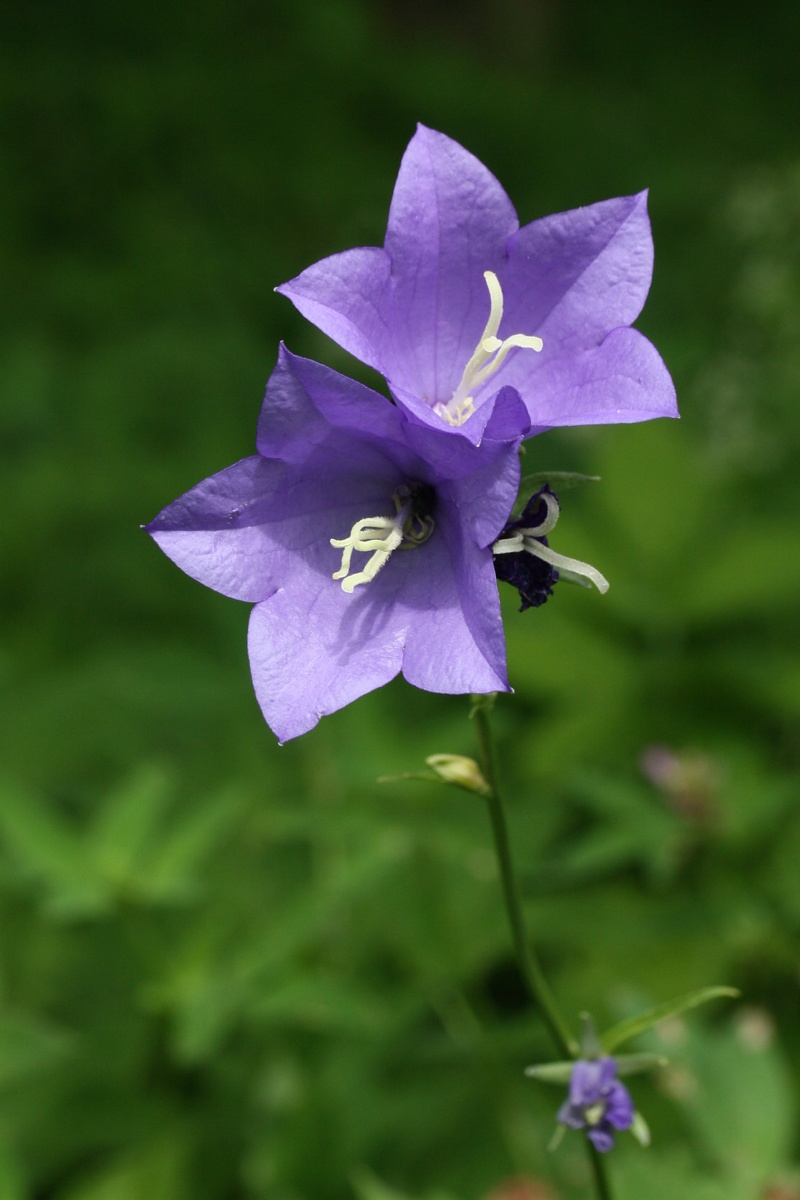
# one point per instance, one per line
(380, 537)
(377, 536)
(527, 541)
(488, 356)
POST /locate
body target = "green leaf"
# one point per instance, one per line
(556, 1072)
(631, 1028)
(560, 481)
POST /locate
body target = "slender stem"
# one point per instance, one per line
(528, 962)
(602, 1185)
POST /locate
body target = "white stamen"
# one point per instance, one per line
(381, 536)
(377, 536)
(488, 356)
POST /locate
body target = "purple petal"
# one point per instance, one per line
(215, 532)
(590, 1078)
(305, 403)
(344, 296)
(456, 644)
(574, 276)
(449, 221)
(619, 1108)
(571, 1115)
(602, 1139)
(484, 498)
(314, 648)
(242, 531)
(416, 309)
(621, 380)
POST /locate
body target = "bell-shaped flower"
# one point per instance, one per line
(597, 1102)
(364, 540)
(460, 301)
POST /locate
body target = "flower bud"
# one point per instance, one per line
(460, 771)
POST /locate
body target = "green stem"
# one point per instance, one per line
(528, 962)
(602, 1185)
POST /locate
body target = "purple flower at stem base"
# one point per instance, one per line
(364, 540)
(460, 301)
(597, 1102)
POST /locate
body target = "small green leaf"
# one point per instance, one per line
(560, 481)
(564, 480)
(640, 1129)
(556, 1072)
(632, 1064)
(640, 1024)
(425, 776)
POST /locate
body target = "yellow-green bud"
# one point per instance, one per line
(461, 771)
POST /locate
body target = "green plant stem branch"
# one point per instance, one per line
(602, 1185)
(528, 962)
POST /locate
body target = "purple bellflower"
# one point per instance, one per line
(597, 1102)
(364, 540)
(460, 301)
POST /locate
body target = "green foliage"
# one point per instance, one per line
(229, 970)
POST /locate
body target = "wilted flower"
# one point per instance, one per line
(364, 540)
(525, 559)
(460, 301)
(597, 1102)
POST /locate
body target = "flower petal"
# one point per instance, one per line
(215, 532)
(574, 276)
(314, 648)
(602, 1139)
(621, 380)
(619, 1109)
(449, 221)
(344, 295)
(307, 404)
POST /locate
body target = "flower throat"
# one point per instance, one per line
(488, 356)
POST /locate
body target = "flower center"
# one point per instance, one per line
(411, 525)
(594, 1113)
(526, 540)
(488, 356)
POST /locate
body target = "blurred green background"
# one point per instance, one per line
(233, 971)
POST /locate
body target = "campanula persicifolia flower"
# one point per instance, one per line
(460, 301)
(364, 541)
(597, 1102)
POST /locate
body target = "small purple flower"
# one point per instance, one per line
(460, 301)
(597, 1102)
(364, 541)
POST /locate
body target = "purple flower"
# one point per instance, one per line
(364, 540)
(460, 301)
(597, 1102)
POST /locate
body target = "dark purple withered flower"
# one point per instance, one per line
(597, 1102)
(460, 301)
(525, 559)
(364, 541)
